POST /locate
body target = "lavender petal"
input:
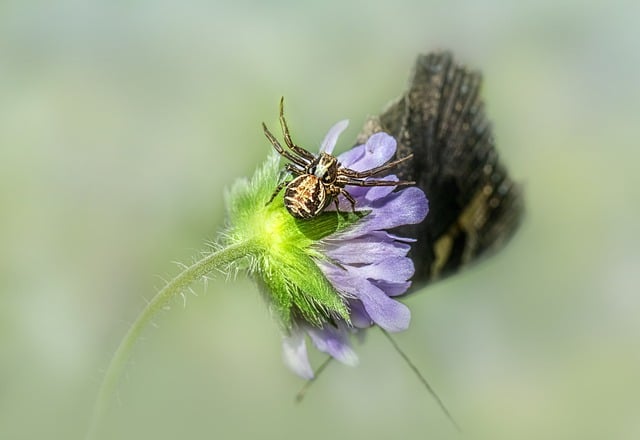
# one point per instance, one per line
(334, 342)
(365, 250)
(405, 207)
(378, 150)
(294, 355)
(330, 140)
(384, 311)
(392, 288)
(359, 316)
(394, 269)
(378, 192)
(348, 158)
(389, 314)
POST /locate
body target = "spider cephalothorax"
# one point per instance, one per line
(319, 179)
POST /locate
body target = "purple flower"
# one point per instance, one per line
(365, 264)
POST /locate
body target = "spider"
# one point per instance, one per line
(319, 179)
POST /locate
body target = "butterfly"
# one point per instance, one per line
(475, 207)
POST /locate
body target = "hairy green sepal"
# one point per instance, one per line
(284, 260)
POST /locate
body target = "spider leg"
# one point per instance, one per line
(275, 193)
(281, 151)
(291, 168)
(373, 171)
(287, 136)
(342, 181)
(335, 201)
(357, 182)
(348, 197)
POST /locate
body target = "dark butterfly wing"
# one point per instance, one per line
(475, 207)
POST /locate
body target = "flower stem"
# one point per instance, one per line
(216, 260)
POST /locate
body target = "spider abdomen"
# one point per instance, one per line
(305, 196)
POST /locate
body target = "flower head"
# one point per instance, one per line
(335, 274)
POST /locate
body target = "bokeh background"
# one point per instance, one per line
(122, 122)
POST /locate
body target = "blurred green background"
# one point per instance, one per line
(122, 122)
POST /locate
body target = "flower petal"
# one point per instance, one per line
(405, 207)
(392, 288)
(384, 311)
(388, 313)
(365, 250)
(294, 354)
(348, 158)
(377, 192)
(398, 238)
(334, 342)
(330, 140)
(359, 316)
(378, 150)
(394, 269)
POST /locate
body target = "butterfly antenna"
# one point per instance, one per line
(422, 379)
(307, 385)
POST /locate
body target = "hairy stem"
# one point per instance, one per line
(216, 260)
